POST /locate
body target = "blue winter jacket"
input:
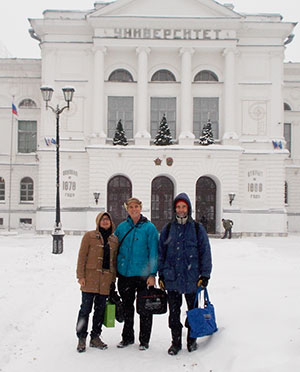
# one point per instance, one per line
(183, 257)
(139, 251)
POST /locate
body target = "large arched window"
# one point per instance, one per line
(206, 75)
(27, 103)
(162, 195)
(163, 75)
(286, 107)
(2, 188)
(119, 189)
(120, 75)
(26, 189)
(206, 202)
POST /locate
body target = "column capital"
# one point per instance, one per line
(102, 49)
(140, 50)
(185, 50)
(228, 51)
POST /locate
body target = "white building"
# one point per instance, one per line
(136, 60)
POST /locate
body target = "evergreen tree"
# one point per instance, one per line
(120, 138)
(207, 137)
(163, 136)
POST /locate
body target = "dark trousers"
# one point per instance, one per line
(175, 302)
(128, 287)
(88, 299)
(225, 235)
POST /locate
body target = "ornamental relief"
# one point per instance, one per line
(254, 117)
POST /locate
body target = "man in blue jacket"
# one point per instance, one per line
(136, 266)
(184, 263)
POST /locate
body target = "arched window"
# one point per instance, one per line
(120, 75)
(163, 75)
(206, 191)
(162, 195)
(26, 189)
(2, 188)
(119, 189)
(286, 107)
(206, 75)
(286, 193)
(27, 103)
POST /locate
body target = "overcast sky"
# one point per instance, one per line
(15, 40)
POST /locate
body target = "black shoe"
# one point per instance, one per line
(143, 346)
(81, 347)
(192, 346)
(174, 349)
(124, 343)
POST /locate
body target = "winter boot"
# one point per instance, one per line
(174, 349)
(143, 346)
(124, 343)
(192, 345)
(81, 347)
(98, 343)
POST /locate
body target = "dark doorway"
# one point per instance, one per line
(119, 189)
(162, 196)
(206, 202)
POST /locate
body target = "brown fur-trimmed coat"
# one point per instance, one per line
(90, 259)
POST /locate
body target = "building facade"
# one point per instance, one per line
(192, 61)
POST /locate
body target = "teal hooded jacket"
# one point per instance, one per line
(138, 253)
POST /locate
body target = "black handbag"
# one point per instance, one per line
(115, 299)
(151, 301)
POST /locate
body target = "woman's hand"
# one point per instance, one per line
(81, 282)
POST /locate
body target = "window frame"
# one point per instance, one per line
(2, 189)
(119, 111)
(163, 106)
(27, 139)
(26, 189)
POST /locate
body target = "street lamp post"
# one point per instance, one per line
(47, 93)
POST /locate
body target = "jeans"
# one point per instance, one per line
(128, 287)
(175, 302)
(225, 235)
(88, 299)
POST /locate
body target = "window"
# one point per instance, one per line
(162, 195)
(27, 103)
(2, 189)
(120, 75)
(26, 136)
(206, 201)
(286, 107)
(120, 108)
(206, 108)
(119, 189)
(163, 75)
(26, 190)
(159, 107)
(287, 135)
(1, 221)
(206, 75)
(285, 193)
(26, 221)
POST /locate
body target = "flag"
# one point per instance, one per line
(53, 141)
(14, 109)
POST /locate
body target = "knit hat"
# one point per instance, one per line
(183, 201)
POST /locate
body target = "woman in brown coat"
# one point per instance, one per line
(96, 274)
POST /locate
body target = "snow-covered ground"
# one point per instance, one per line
(255, 288)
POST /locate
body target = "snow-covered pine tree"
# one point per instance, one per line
(207, 137)
(163, 136)
(120, 138)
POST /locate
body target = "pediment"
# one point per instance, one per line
(166, 8)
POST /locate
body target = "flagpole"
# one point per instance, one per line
(10, 164)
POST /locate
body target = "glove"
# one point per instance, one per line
(203, 281)
(161, 283)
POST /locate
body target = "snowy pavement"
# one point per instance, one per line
(255, 288)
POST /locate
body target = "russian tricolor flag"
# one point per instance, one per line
(14, 109)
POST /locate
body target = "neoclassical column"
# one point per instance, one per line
(98, 134)
(142, 136)
(229, 97)
(186, 136)
(276, 110)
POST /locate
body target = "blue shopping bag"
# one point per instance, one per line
(202, 320)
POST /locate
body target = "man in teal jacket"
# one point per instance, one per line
(136, 266)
